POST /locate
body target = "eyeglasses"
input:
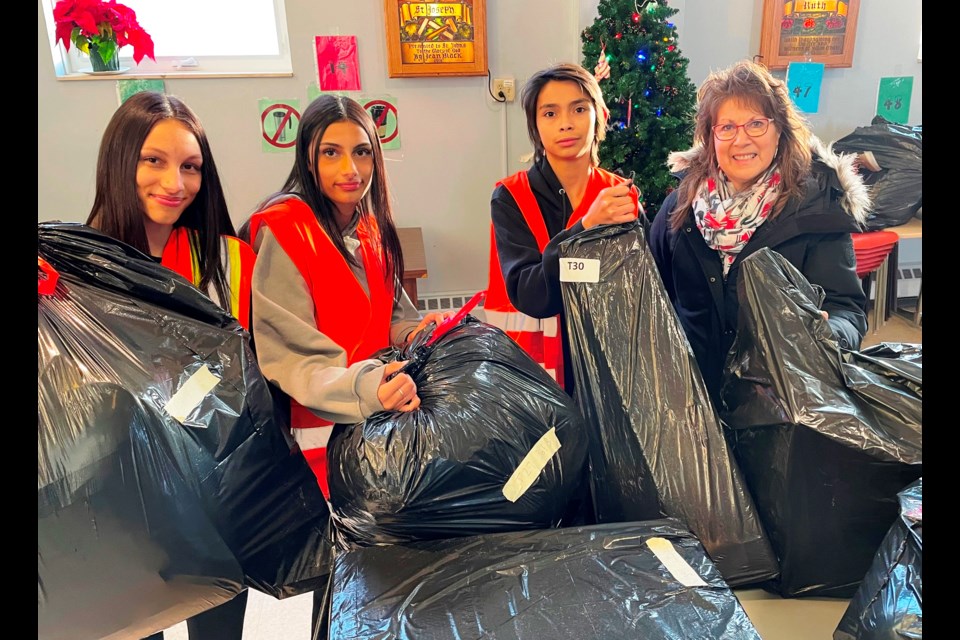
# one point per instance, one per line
(755, 128)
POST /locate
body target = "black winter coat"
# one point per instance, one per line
(812, 233)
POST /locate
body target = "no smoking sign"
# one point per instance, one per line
(383, 110)
(279, 123)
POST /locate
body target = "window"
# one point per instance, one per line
(197, 38)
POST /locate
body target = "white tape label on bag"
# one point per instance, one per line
(579, 270)
(532, 464)
(191, 394)
(679, 568)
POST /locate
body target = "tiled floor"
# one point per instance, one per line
(775, 618)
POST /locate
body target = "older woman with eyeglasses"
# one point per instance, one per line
(756, 177)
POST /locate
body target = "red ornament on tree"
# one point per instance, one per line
(636, 17)
(618, 36)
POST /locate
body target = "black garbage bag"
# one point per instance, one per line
(825, 440)
(657, 447)
(496, 445)
(164, 483)
(889, 602)
(623, 581)
(893, 169)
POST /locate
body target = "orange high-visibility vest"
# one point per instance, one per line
(541, 338)
(182, 254)
(358, 323)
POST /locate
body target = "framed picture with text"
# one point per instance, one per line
(436, 38)
(808, 31)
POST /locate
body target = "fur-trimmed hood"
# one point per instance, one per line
(856, 195)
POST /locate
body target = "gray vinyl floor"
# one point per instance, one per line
(775, 618)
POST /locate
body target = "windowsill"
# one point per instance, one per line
(140, 75)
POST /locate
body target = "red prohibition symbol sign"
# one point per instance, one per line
(379, 110)
(285, 113)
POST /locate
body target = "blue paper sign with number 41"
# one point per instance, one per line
(803, 82)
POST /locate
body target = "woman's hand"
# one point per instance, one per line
(614, 205)
(399, 393)
(437, 317)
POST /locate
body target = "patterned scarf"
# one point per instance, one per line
(727, 221)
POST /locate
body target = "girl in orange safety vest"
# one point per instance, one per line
(158, 190)
(326, 289)
(533, 211)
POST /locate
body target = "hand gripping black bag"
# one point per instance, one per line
(888, 605)
(164, 483)
(826, 440)
(894, 170)
(657, 447)
(621, 581)
(496, 445)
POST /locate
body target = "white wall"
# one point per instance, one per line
(452, 133)
(887, 42)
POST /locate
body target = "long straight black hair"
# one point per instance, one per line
(117, 210)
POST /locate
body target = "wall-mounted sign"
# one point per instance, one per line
(808, 31)
(893, 99)
(383, 110)
(436, 38)
(338, 64)
(279, 123)
(803, 83)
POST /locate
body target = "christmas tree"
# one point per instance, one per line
(632, 48)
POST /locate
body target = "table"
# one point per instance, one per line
(909, 231)
(414, 259)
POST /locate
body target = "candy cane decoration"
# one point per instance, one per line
(602, 70)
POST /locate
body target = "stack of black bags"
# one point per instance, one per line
(165, 484)
(826, 439)
(447, 517)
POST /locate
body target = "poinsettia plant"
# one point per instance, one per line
(105, 26)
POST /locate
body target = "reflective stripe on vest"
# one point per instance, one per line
(182, 254)
(315, 438)
(539, 337)
(516, 322)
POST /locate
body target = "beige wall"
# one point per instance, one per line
(452, 150)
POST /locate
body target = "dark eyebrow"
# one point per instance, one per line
(577, 102)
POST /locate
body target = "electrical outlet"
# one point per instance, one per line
(505, 89)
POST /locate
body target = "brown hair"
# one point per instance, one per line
(750, 84)
(564, 72)
(117, 210)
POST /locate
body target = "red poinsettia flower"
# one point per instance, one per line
(105, 25)
(809, 23)
(786, 24)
